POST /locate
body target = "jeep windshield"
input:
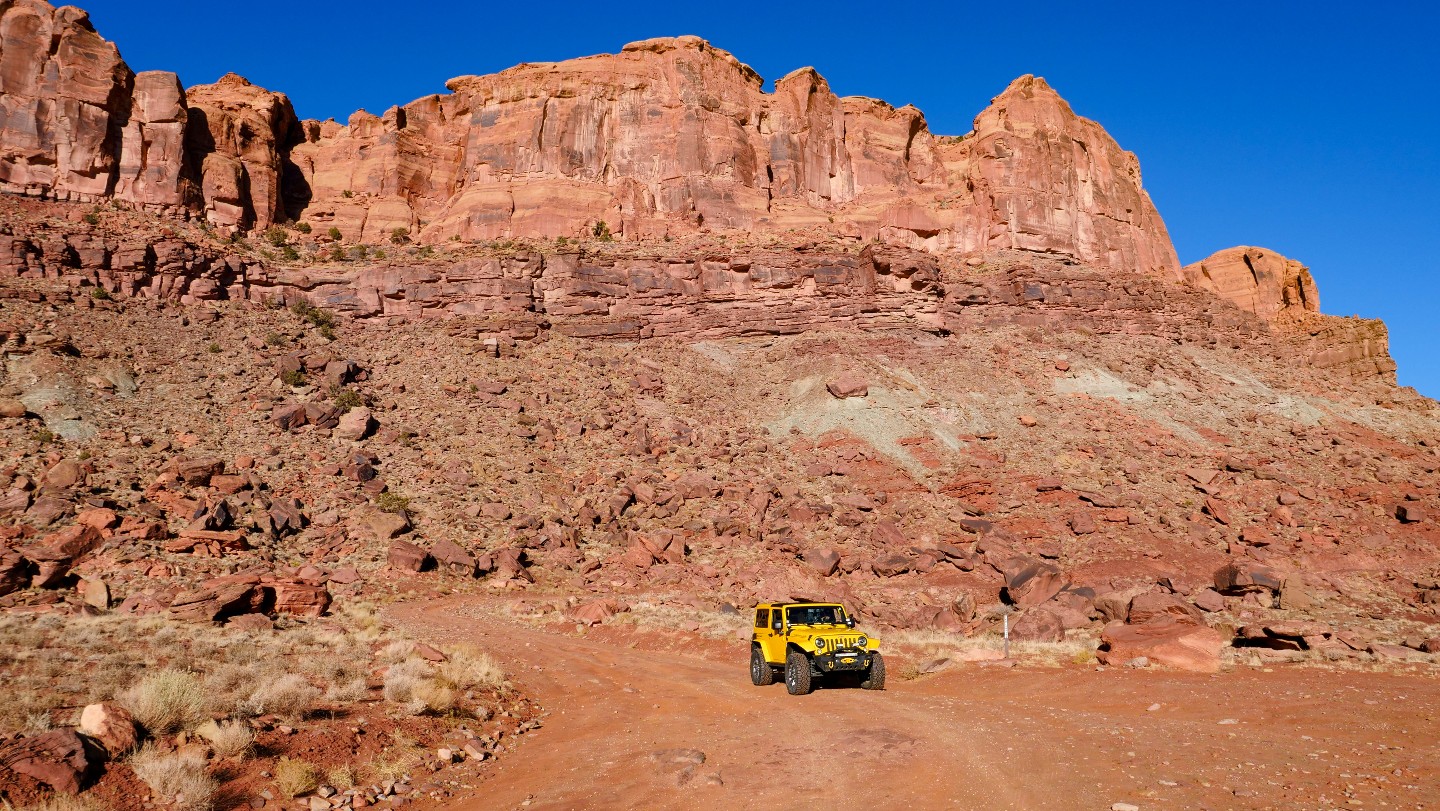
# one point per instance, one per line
(815, 615)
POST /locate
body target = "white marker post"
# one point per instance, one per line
(1006, 616)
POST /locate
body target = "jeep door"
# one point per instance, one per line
(771, 638)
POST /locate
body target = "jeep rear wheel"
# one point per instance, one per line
(875, 678)
(761, 673)
(797, 673)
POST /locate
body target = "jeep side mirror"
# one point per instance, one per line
(850, 622)
(776, 626)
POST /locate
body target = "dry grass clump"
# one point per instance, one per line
(295, 777)
(176, 778)
(412, 685)
(228, 740)
(470, 668)
(62, 802)
(290, 696)
(351, 692)
(168, 700)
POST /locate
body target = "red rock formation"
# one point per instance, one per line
(1282, 292)
(239, 138)
(1259, 280)
(151, 170)
(63, 93)
(674, 134)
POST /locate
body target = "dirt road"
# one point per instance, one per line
(970, 737)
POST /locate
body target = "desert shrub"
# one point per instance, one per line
(100, 294)
(602, 231)
(91, 218)
(312, 315)
(277, 235)
(167, 701)
(176, 778)
(342, 777)
(392, 503)
(400, 236)
(345, 399)
(303, 227)
(348, 692)
(289, 696)
(292, 377)
(289, 254)
(213, 348)
(274, 339)
(361, 251)
(347, 194)
(334, 233)
(338, 254)
(469, 667)
(234, 739)
(295, 777)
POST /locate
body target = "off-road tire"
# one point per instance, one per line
(875, 677)
(761, 673)
(797, 673)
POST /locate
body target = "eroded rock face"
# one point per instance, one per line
(674, 134)
(239, 139)
(1259, 280)
(63, 94)
(151, 168)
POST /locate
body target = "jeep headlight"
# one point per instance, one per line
(863, 643)
(819, 644)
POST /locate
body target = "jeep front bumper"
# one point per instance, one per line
(842, 660)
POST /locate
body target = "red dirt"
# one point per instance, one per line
(972, 737)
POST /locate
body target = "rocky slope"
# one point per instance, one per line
(627, 334)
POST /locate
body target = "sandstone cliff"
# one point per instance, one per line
(670, 136)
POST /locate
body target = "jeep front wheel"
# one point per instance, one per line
(797, 673)
(761, 673)
(875, 679)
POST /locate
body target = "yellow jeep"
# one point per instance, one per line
(811, 640)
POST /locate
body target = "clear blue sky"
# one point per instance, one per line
(1309, 128)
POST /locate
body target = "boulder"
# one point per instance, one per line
(454, 557)
(1242, 575)
(848, 385)
(407, 557)
(355, 424)
(891, 565)
(594, 612)
(1031, 582)
(1147, 606)
(59, 758)
(301, 599)
(1409, 513)
(112, 726)
(386, 525)
(1038, 625)
(823, 559)
(1209, 600)
(1163, 640)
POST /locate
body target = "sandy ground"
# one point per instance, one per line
(970, 737)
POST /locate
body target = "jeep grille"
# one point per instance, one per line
(842, 642)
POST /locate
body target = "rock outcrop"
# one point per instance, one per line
(672, 135)
(669, 136)
(64, 93)
(1259, 280)
(1282, 292)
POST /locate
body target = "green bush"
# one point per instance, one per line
(400, 236)
(302, 227)
(92, 218)
(292, 377)
(338, 254)
(602, 231)
(100, 294)
(213, 348)
(289, 253)
(346, 399)
(274, 339)
(392, 503)
(335, 233)
(277, 235)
